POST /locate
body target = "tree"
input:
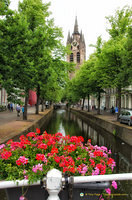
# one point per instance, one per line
(96, 74)
(113, 60)
(47, 47)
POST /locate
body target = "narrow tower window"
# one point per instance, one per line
(78, 57)
(71, 57)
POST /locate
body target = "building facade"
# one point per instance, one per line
(77, 46)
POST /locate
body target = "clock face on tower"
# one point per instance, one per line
(74, 44)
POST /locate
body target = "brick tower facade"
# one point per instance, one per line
(77, 46)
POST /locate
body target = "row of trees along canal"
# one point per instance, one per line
(110, 66)
(31, 57)
(31, 53)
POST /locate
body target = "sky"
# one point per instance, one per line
(90, 15)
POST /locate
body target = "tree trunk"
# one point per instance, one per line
(98, 111)
(38, 99)
(25, 107)
(83, 103)
(88, 102)
(42, 109)
(118, 101)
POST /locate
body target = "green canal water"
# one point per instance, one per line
(70, 124)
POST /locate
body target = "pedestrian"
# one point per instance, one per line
(112, 110)
(23, 111)
(8, 106)
(11, 107)
(18, 109)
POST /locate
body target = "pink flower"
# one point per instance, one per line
(22, 198)
(101, 198)
(109, 152)
(2, 146)
(96, 172)
(104, 148)
(37, 167)
(82, 169)
(26, 177)
(108, 190)
(22, 160)
(114, 184)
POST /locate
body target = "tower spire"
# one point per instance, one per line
(81, 36)
(68, 38)
(76, 26)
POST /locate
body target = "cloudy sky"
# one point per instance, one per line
(90, 14)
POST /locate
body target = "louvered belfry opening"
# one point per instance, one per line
(71, 57)
(78, 57)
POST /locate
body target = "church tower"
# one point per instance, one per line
(77, 46)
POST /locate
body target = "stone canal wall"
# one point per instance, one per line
(121, 131)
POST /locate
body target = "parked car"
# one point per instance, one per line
(126, 117)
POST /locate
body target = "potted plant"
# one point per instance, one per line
(35, 154)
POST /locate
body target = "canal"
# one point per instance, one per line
(70, 124)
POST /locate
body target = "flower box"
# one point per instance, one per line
(35, 154)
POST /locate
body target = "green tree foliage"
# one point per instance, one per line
(116, 53)
(31, 53)
(4, 7)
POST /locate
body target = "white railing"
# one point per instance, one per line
(54, 180)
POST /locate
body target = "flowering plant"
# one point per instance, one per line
(34, 155)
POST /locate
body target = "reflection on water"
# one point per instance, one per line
(69, 123)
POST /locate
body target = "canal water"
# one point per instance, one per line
(70, 124)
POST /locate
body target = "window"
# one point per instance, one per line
(71, 57)
(78, 57)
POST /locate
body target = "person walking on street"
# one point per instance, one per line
(11, 107)
(8, 106)
(23, 111)
(18, 109)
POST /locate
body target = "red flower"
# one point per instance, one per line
(70, 148)
(31, 134)
(57, 159)
(92, 162)
(80, 138)
(98, 153)
(102, 168)
(41, 157)
(54, 150)
(22, 160)
(9, 141)
(89, 140)
(110, 161)
(6, 154)
(18, 162)
(37, 130)
(42, 146)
